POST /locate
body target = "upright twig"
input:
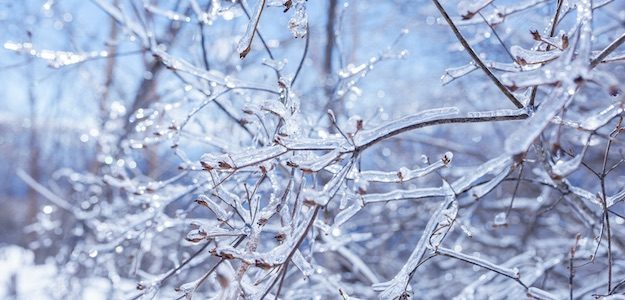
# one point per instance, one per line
(475, 57)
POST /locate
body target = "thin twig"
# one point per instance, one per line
(475, 57)
(444, 121)
(492, 28)
(301, 62)
(554, 24)
(609, 49)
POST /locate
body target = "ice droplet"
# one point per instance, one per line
(500, 219)
(93, 253)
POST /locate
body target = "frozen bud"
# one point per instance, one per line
(262, 264)
(265, 167)
(275, 107)
(211, 161)
(535, 35)
(280, 236)
(354, 124)
(447, 157)
(195, 235)
(403, 173)
(331, 116)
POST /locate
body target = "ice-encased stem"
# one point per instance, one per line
(368, 136)
(245, 43)
(481, 190)
(395, 287)
(475, 57)
(524, 135)
(405, 194)
(495, 165)
(511, 273)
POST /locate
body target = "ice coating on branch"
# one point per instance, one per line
(256, 156)
(313, 163)
(298, 24)
(489, 283)
(584, 194)
(276, 3)
(277, 65)
(55, 59)
(395, 288)
(351, 70)
(367, 136)
(563, 168)
(245, 43)
(597, 121)
(302, 264)
(212, 161)
(584, 18)
(405, 194)
(208, 231)
(499, 113)
(304, 143)
(493, 166)
(214, 207)
(520, 140)
(347, 213)
(171, 15)
(567, 68)
(448, 220)
(483, 189)
(179, 64)
(467, 9)
(541, 294)
(530, 57)
(618, 197)
(510, 272)
(275, 107)
(403, 174)
(452, 74)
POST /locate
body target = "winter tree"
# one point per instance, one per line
(291, 149)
